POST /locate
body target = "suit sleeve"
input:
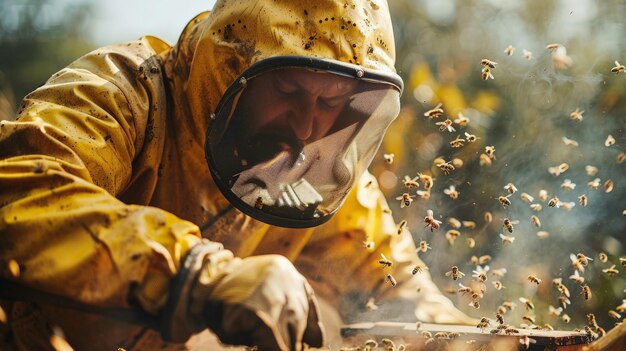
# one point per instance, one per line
(62, 163)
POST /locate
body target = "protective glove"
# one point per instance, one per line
(258, 301)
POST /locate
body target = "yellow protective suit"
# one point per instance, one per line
(103, 179)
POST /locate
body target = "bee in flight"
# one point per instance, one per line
(431, 221)
(455, 273)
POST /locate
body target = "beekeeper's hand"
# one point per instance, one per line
(257, 301)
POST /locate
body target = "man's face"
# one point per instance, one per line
(294, 106)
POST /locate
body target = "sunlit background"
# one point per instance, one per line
(524, 113)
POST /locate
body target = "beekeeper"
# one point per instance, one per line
(200, 184)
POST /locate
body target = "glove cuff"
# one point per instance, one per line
(177, 323)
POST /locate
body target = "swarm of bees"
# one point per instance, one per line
(549, 198)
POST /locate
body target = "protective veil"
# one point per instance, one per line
(104, 180)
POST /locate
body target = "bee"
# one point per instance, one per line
(547, 326)
(591, 170)
(555, 311)
(526, 197)
(568, 185)
(528, 304)
(440, 335)
(490, 151)
(455, 273)
(570, 142)
(475, 304)
(436, 112)
(568, 205)
(484, 160)
(506, 239)
(534, 279)
(386, 210)
(480, 273)
(509, 305)
(446, 167)
(591, 321)
(543, 234)
(499, 273)
(258, 204)
(431, 221)
(411, 183)
(535, 221)
(371, 343)
(543, 195)
(577, 115)
(511, 330)
(471, 242)
(457, 162)
(554, 202)
(608, 186)
(610, 140)
(602, 257)
(621, 157)
(499, 318)
(384, 261)
(504, 201)
(566, 318)
(458, 142)
(401, 226)
(469, 224)
(427, 180)
(429, 341)
(388, 343)
(611, 271)
(451, 235)
(488, 217)
(577, 277)
(486, 73)
(452, 192)
(488, 63)
(563, 290)
(370, 305)
(391, 280)
(446, 125)
(426, 334)
(508, 225)
(454, 223)
(527, 54)
(564, 301)
(511, 188)
(501, 309)
(586, 291)
(622, 261)
(614, 315)
(584, 260)
(424, 246)
(418, 269)
(461, 120)
(509, 50)
(594, 184)
(576, 263)
(582, 200)
(423, 194)
(368, 245)
(529, 319)
(470, 137)
(389, 158)
(618, 68)
(498, 285)
(405, 200)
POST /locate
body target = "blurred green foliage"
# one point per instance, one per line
(38, 38)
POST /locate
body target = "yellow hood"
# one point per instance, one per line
(237, 34)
